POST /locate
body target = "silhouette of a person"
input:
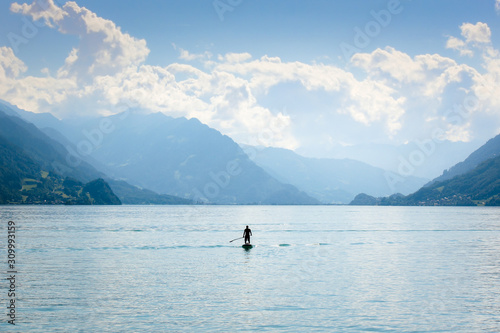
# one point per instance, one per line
(247, 233)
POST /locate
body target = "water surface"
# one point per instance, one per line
(314, 268)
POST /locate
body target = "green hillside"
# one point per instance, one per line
(34, 169)
(132, 195)
(23, 181)
(489, 150)
(27, 175)
(480, 186)
(473, 182)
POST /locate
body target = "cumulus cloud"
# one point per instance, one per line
(475, 36)
(104, 49)
(10, 65)
(219, 99)
(233, 58)
(428, 74)
(40, 9)
(29, 92)
(188, 56)
(392, 95)
(366, 101)
(476, 33)
(486, 86)
(108, 67)
(433, 88)
(459, 45)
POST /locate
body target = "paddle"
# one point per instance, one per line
(235, 239)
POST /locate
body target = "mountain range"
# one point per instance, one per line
(475, 181)
(331, 180)
(489, 150)
(33, 171)
(140, 157)
(439, 155)
(186, 158)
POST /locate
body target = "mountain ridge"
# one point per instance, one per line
(173, 157)
(186, 158)
(334, 181)
(24, 181)
(43, 165)
(489, 150)
(479, 185)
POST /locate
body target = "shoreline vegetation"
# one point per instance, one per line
(49, 189)
(478, 187)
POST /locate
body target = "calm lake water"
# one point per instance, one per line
(314, 268)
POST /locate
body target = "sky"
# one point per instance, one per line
(304, 75)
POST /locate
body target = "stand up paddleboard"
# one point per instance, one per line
(247, 246)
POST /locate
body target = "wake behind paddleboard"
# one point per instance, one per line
(247, 246)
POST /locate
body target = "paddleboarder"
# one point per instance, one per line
(246, 234)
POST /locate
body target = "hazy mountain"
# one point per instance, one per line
(479, 186)
(176, 156)
(31, 170)
(32, 152)
(364, 199)
(100, 193)
(489, 150)
(426, 158)
(49, 154)
(132, 195)
(476, 182)
(15, 166)
(331, 180)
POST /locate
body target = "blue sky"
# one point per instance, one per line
(298, 31)
(265, 72)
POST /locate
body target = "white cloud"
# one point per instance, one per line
(10, 65)
(28, 92)
(233, 58)
(40, 9)
(476, 33)
(392, 95)
(459, 45)
(427, 75)
(186, 55)
(219, 99)
(485, 86)
(497, 5)
(433, 88)
(365, 101)
(104, 49)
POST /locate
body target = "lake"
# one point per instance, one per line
(313, 269)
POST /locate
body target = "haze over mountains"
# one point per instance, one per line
(438, 155)
(33, 169)
(184, 158)
(332, 180)
(489, 150)
(475, 181)
(171, 156)
(153, 158)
